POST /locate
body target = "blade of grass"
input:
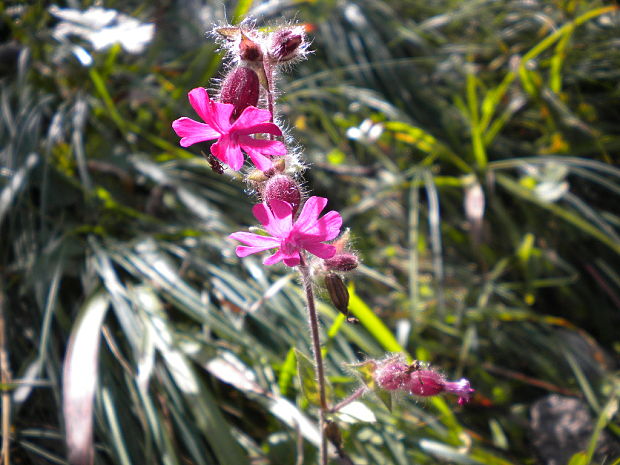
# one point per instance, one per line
(373, 323)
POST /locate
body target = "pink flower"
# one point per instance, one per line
(232, 137)
(307, 233)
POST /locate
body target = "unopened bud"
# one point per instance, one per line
(341, 262)
(425, 383)
(416, 378)
(332, 433)
(241, 88)
(249, 50)
(282, 187)
(278, 165)
(339, 295)
(257, 177)
(287, 44)
(391, 374)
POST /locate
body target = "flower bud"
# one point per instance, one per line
(341, 262)
(278, 166)
(424, 383)
(282, 187)
(338, 293)
(257, 176)
(241, 88)
(287, 44)
(249, 50)
(391, 374)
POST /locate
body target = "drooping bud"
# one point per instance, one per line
(241, 88)
(282, 187)
(249, 50)
(424, 383)
(393, 374)
(341, 262)
(339, 295)
(287, 44)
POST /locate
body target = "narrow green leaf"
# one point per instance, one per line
(287, 372)
(307, 378)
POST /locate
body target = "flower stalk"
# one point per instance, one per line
(313, 320)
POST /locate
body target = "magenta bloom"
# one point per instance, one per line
(232, 137)
(308, 232)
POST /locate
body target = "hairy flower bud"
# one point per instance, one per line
(287, 44)
(341, 262)
(390, 374)
(278, 166)
(241, 88)
(249, 50)
(282, 187)
(393, 374)
(424, 383)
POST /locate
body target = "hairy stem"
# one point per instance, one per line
(356, 395)
(313, 320)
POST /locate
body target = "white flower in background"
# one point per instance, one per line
(550, 180)
(367, 132)
(102, 28)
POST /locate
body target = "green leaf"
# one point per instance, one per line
(580, 458)
(308, 380)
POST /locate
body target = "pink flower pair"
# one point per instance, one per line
(232, 137)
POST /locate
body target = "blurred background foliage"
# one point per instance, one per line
(472, 147)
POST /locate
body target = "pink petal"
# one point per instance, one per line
(220, 115)
(243, 251)
(227, 150)
(293, 261)
(276, 218)
(255, 240)
(251, 116)
(273, 259)
(310, 213)
(325, 228)
(260, 161)
(266, 147)
(216, 115)
(320, 250)
(262, 128)
(193, 132)
(258, 148)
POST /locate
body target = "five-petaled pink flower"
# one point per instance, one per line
(307, 232)
(232, 137)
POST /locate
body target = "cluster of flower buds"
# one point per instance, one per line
(418, 379)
